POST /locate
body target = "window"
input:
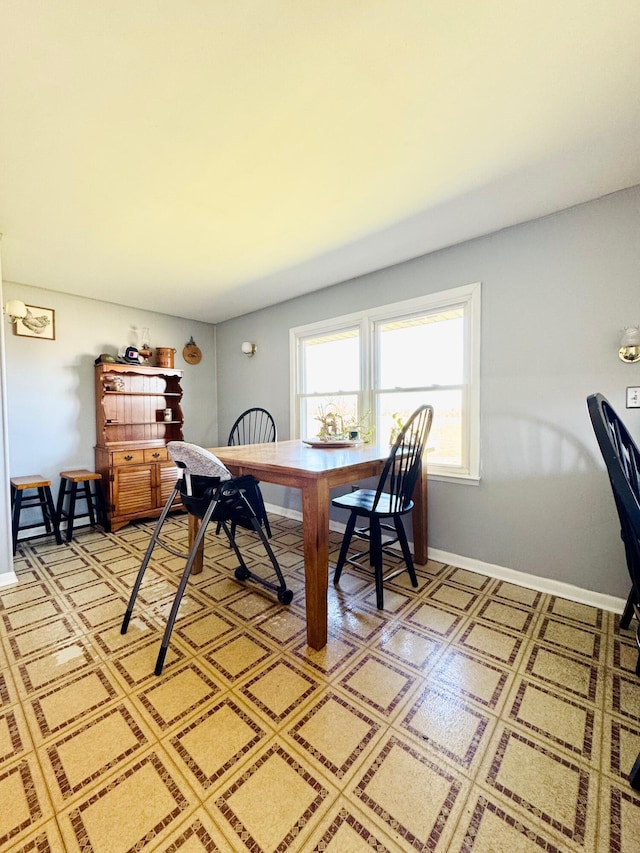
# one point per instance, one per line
(369, 371)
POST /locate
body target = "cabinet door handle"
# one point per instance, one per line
(128, 457)
(156, 455)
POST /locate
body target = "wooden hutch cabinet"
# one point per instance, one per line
(137, 413)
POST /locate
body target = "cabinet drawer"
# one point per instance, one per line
(156, 454)
(128, 457)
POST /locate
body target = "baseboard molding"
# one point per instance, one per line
(547, 585)
(295, 514)
(8, 579)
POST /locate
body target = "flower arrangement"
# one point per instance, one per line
(397, 425)
(336, 426)
(331, 422)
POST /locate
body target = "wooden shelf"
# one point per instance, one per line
(138, 369)
(140, 423)
(109, 393)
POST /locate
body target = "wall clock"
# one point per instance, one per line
(191, 352)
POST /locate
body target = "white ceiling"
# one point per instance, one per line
(206, 158)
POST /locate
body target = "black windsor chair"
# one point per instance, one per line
(209, 492)
(255, 426)
(622, 459)
(389, 502)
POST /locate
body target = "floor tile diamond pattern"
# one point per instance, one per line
(471, 716)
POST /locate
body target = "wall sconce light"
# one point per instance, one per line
(630, 344)
(250, 349)
(15, 310)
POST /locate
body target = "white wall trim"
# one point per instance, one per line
(285, 512)
(547, 585)
(8, 579)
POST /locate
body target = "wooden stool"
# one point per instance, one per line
(77, 486)
(43, 499)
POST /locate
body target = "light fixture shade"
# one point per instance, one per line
(249, 348)
(630, 337)
(15, 309)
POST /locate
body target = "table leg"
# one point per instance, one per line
(194, 526)
(419, 519)
(315, 525)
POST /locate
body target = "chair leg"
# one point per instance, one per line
(42, 495)
(138, 581)
(206, 518)
(344, 550)
(62, 492)
(86, 493)
(73, 494)
(147, 557)
(262, 514)
(627, 613)
(634, 776)
(285, 595)
(16, 494)
(51, 512)
(101, 513)
(375, 558)
(406, 553)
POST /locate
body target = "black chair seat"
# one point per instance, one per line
(364, 500)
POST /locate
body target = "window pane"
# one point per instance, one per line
(445, 438)
(422, 351)
(331, 363)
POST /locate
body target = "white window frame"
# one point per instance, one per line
(468, 297)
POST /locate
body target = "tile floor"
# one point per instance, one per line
(471, 716)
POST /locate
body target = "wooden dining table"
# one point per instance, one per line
(315, 471)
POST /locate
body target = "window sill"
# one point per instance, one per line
(462, 479)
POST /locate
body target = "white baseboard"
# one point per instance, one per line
(8, 579)
(546, 585)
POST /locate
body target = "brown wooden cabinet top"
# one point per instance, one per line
(143, 369)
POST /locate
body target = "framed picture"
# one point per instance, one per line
(38, 323)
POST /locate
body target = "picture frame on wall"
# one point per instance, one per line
(37, 323)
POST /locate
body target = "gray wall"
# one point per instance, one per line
(556, 295)
(50, 384)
